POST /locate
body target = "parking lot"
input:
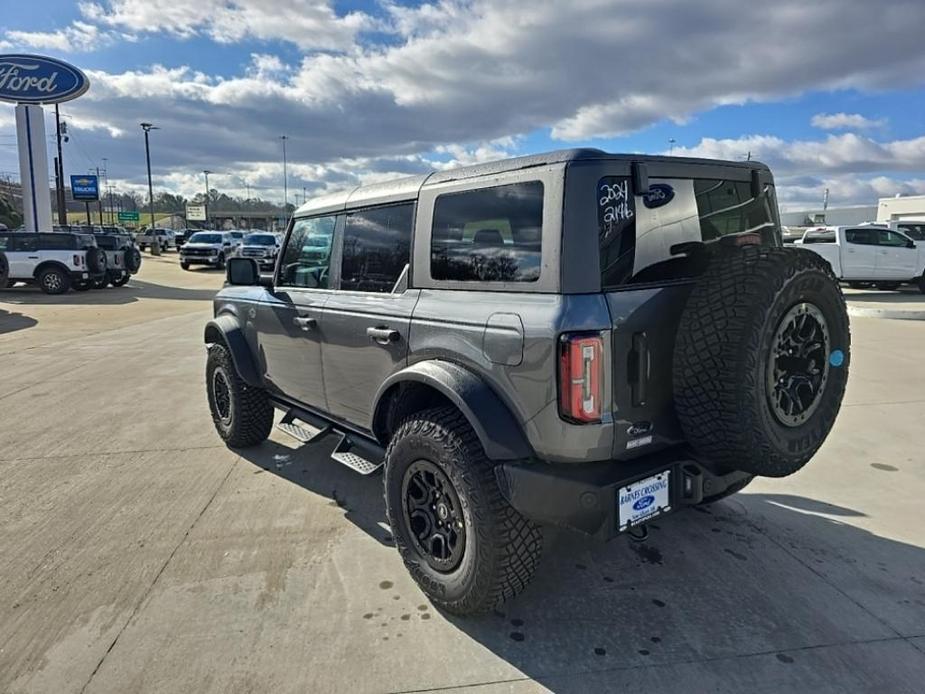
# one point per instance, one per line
(137, 553)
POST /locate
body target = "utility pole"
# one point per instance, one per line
(207, 172)
(155, 243)
(99, 200)
(285, 177)
(59, 171)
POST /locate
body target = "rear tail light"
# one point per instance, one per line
(581, 377)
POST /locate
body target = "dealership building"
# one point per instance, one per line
(887, 209)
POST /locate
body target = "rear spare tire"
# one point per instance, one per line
(132, 259)
(96, 260)
(761, 359)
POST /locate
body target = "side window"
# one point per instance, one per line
(307, 256)
(489, 234)
(25, 243)
(4, 242)
(616, 220)
(377, 247)
(860, 237)
(890, 238)
(916, 232)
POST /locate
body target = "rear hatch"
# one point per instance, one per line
(652, 248)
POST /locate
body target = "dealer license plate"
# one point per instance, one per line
(644, 500)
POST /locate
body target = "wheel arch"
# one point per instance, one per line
(434, 382)
(45, 264)
(225, 329)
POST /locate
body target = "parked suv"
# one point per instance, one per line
(56, 261)
(123, 259)
(576, 339)
(207, 248)
(262, 247)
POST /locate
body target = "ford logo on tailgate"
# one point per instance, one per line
(644, 503)
(34, 79)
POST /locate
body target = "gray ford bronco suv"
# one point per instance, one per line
(578, 339)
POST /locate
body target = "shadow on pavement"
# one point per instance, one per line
(903, 295)
(110, 296)
(768, 576)
(11, 322)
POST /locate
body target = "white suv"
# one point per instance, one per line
(55, 261)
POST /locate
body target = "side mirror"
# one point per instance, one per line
(243, 272)
(910, 244)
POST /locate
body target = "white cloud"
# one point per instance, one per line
(78, 37)
(845, 121)
(309, 24)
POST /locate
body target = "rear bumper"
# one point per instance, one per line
(583, 496)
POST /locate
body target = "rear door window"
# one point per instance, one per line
(488, 234)
(861, 237)
(377, 247)
(307, 256)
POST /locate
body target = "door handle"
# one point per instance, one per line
(33, 257)
(383, 335)
(305, 322)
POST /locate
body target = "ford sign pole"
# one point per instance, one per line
(30, 81)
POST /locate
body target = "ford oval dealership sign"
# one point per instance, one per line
(34, 79)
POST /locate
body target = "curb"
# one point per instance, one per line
(893, 313)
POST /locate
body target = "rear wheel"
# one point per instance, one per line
(464, 545)
(887, 286)
(99, 282)
(53, 280)
(120, 280)
(242, 414)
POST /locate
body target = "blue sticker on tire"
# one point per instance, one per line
(837, 357)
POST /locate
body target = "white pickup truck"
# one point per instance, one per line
(869, 254)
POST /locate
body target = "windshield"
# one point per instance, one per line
(260, 240)
(202, 237)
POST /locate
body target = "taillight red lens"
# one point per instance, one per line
(581, 377)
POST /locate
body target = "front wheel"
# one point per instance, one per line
(887, 286)
(463, 544)
(119, 281)
(922, 284)
(184, 266)
(99, 282)
(242, 414)
(221, 262)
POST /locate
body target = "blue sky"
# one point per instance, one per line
(366, 90)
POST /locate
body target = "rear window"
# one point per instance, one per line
(109, 243)
(661, 236)
(489, 234)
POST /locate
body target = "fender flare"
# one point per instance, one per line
(498, 430)
(226, 328)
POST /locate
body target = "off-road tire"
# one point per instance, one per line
(502, 547)
(99, 282)
(96, 260)
(120, 281)
(250, 418)
(184, 266)
(132, 259)
(922, 284)
(221, 261)
(50, 286)
(729, 491)
(724, 347)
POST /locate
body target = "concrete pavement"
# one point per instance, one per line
(139, 554)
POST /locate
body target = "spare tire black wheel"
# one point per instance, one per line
(96, 260)
(761, 359)
(132, 259)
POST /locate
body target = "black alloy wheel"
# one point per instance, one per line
(433, 516)
(799, 366)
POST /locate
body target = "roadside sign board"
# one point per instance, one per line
(85, 188)
(130, 216)
(196, 213)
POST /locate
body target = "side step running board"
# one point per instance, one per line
(356, 456)
(313, 432)
(356, 453)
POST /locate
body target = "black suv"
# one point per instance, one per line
(577, 339)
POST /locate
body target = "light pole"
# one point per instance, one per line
(155, 244)
(62, 200)
(207, 172)
(285, 176)
(671, 144)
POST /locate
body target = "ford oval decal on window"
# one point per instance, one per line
(35, 79)
(658, 194)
